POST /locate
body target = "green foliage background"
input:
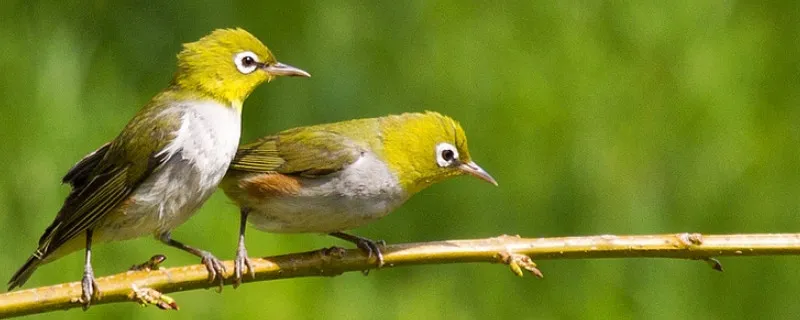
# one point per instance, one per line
(596, 118)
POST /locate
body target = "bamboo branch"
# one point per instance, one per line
(148, 286)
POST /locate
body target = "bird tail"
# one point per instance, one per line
(22, 275)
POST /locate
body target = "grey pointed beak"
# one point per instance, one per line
(476, 171)
(280, 69)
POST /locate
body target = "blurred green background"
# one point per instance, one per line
(596, 118)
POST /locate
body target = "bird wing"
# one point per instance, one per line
(300, 151)
(79, 174)
(106, 178)
(258, 156)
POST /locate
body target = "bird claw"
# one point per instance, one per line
(216, 270)
(713, 263)
(517, 262)
(146, 296)
(372, 248)
(149, 265)
(242, 261)
(89, 289)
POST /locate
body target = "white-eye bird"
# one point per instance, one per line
(334, 177)
(168, 159)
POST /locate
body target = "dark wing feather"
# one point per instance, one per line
(100, 196)
(85, 206)
(79, 174)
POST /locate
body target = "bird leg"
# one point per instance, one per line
(89, 288)
(216, 270)
(368, 246)
(242, 260)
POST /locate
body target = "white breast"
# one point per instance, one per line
(199, 155)
(207, 140)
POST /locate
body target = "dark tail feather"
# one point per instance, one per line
(22, 275)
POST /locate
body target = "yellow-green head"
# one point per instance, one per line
(426, 148)
(227, 65)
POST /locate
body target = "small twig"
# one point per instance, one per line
(148, 286)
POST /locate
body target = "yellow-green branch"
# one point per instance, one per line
(516, 252)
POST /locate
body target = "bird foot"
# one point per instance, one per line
(89, 289)
(372, 248)
(242, 261)
(369, 247)
(216, 270)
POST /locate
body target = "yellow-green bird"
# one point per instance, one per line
(168, 159)
(334, 177)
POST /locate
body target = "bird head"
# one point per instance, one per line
(227, 65)
(426, 148)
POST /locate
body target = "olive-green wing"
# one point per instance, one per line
(300, 151)
(258, 156)
(104, 179)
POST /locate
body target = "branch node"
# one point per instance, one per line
(691, 239)
(147, 296)
(507, 236)
(333, 252)
(152, 264)
(517, 262)
(328, 256)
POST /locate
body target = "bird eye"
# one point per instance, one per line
(246, 62)
(446, 154)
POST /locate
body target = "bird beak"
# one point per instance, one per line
(280, 69)
(476, 171)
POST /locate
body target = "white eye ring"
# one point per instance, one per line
(446, 154)
(246, 62)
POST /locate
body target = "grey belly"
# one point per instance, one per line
(320, 214)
